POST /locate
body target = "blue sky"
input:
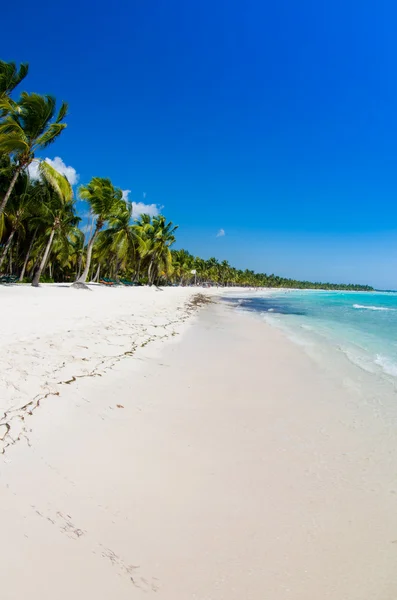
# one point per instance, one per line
(273, 121)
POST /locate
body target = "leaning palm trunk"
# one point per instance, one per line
(117, 269)
(92, 274)
(25, 264)
(138, 272)
(35, 265)
(149, 271)
(36, 278)
(79, 264)
(10, 188)
(6, 247)
(84, 275)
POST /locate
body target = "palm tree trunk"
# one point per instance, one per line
(91, 275)
(35, 265)
(79, 264)
(96, 278)
(10, 188)
(138, 271)
(16, 254)
(6, 247)
(149, 271)
(37, 275)
(25, 264)
(84, 275)
(116, 269)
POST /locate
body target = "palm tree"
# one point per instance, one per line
(67, 241)
(212, 269)
(156, 238)
(104, 200)
(19, 210)
(10, 76)
(30, 125)
(119, 240)
(142, 228)
(6, 173)
(32, 239)
(224, 271)
(199, 266)
(183, 264)
(58, 211)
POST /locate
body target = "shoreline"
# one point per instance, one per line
(226, 465)
(373, 367)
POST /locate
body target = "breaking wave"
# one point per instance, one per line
(362, 306)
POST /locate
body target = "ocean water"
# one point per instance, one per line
(363, 326)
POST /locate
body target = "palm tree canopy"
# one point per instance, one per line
(154, 237)
(11, 76)
(57, 181)
(120, 238)
(32, 124)
(103, 198)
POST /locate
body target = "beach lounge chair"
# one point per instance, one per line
(8, 278)
(106, 281)
(127, 283)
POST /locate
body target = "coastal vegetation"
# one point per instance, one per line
(41, 238)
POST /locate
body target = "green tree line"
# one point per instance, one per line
(41, 238)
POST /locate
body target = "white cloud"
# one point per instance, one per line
(33, 170)
(221, 233)
(58, 164)
(140, 208)
(69, 172)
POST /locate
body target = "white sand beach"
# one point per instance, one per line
(52, 335)
(217, 461)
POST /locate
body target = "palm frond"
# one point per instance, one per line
(36, 111)
(104, 199)
(62, 112)
(10, 76)
(50, 135)
(22, 73)
(6, 105)
(9, 126)
(57, 181)
(28, 125)
(12, 145)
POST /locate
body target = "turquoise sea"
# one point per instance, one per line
(363, 326)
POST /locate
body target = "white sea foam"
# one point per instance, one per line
(358, 358)
(372, 307)
(366, 342)
(387, 364)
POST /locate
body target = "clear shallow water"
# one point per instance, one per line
(361, 325)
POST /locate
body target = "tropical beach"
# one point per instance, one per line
(198, 305)
(134, 465)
